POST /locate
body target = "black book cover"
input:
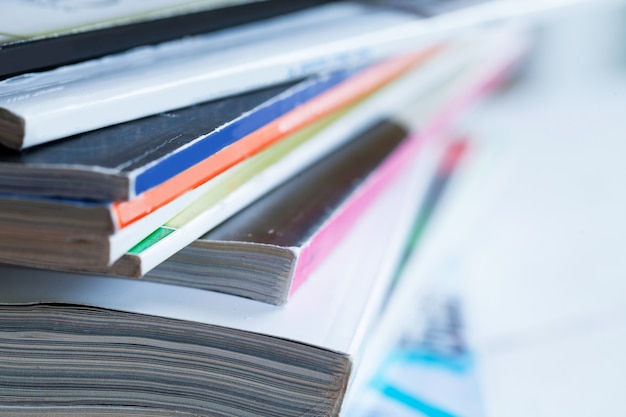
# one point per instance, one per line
(121, 161)
(22, 56)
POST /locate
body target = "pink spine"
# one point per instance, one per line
(336, 228)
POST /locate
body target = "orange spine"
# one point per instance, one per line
(346, 93)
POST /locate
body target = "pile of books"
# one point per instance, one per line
(205, 205)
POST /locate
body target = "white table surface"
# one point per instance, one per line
(543, 266)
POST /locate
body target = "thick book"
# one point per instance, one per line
(34, 108)
(217, 199)
(119, 162)
(90, 346)
(41, 34)
(267, 251)
(270, 248)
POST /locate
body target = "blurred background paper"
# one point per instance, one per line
(545, 278)
(534, 233)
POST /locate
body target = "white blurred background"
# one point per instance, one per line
(543, 267)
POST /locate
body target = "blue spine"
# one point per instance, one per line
(228, 134)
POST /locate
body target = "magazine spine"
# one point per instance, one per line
(344, 94)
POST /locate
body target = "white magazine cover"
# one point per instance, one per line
(35, 108)
(21, 19)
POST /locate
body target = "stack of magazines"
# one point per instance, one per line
(205, 205)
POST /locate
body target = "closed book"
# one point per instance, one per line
(79, 345)
(40, 35)
(93, 94)
(35, 107)
(270, 248)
